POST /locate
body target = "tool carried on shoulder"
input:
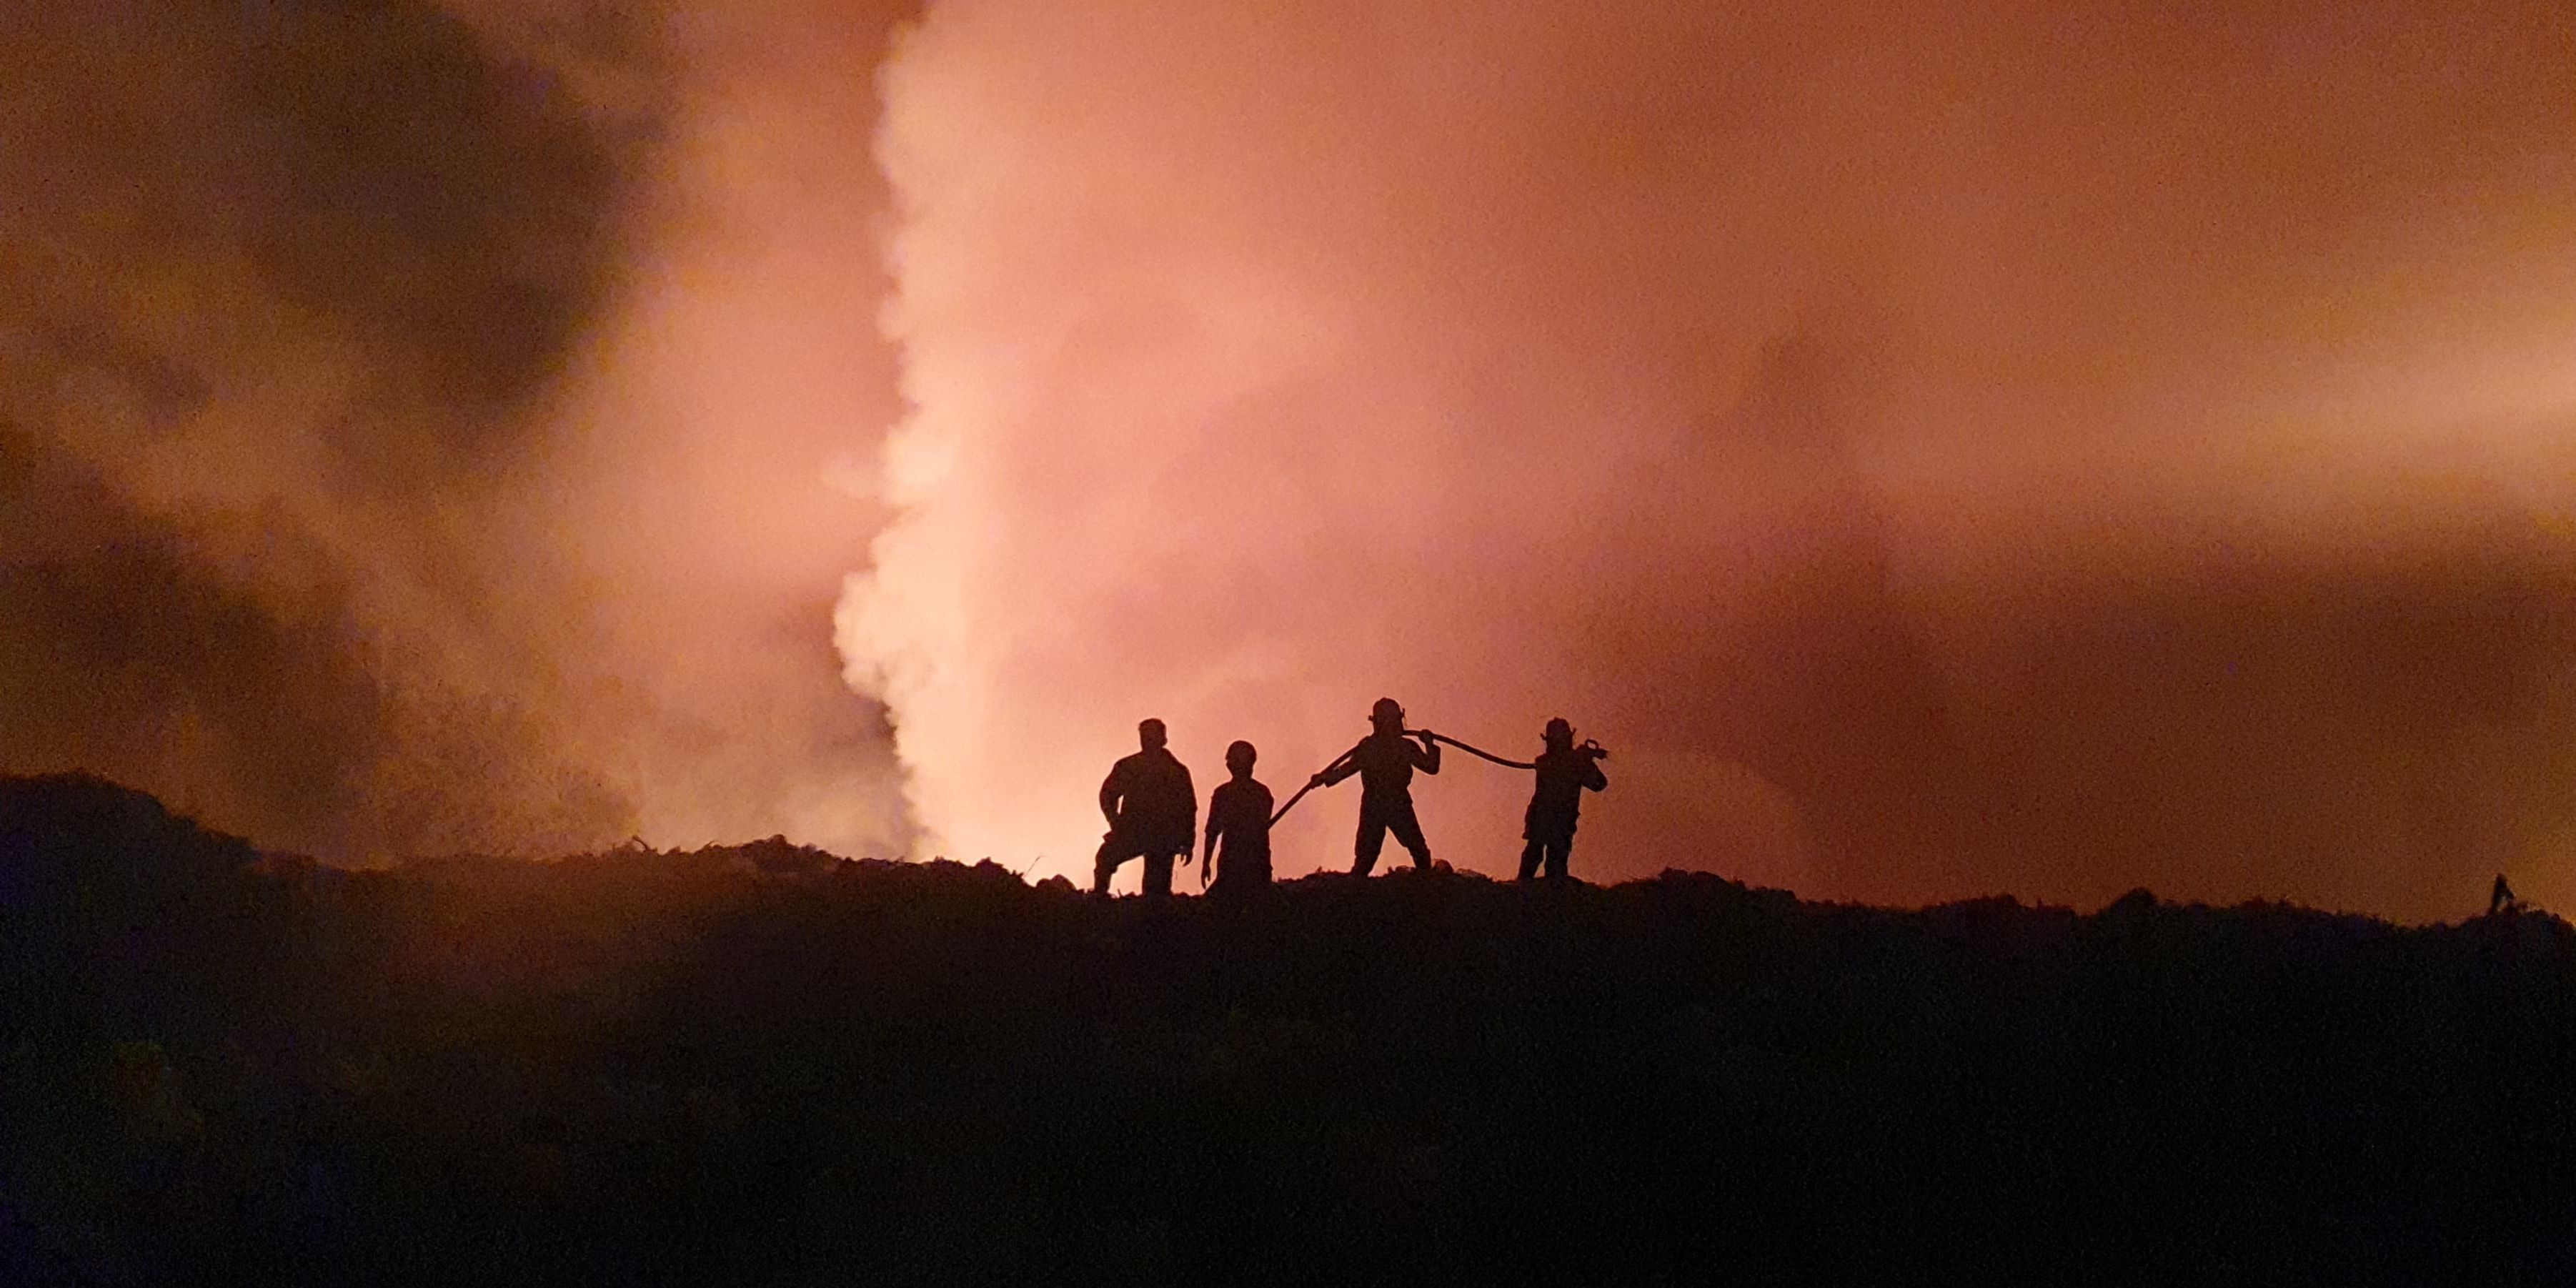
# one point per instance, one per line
(1589, 748)
(1316, 777)
(1473, 750)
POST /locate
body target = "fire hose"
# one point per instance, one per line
(1427, 736)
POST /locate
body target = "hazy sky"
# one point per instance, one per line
(1940, 449)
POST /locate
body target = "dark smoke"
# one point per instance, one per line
(284, 289)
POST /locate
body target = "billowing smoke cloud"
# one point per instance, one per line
(346, 496)
(2047, 450)
(1940, 450)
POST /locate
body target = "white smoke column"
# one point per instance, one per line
(694, 483)
(1262, 363)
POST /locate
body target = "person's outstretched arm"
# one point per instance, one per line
(1340, 769)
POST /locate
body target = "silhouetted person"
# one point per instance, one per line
(2501, 899)
(1385, 761)
(1151, 808)
(1238, 815)
(1565, 773)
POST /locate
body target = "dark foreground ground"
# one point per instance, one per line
(760, 1064)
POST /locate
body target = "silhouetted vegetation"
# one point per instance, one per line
(763, 1063)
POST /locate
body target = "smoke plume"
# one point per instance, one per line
(2047, 449)
(1940, 450)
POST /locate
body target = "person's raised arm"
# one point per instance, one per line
(1340, 769)
(1593, 778)
(1428, 759)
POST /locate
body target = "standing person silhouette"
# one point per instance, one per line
(1152, 809)
(1239, 815)
(1385, 761)
(1565, 773)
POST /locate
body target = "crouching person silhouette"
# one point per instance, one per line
(1565, 772)
(1238, 816)
(1385, 761)
(1151, 808)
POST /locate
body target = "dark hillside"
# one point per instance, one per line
(763, 1064)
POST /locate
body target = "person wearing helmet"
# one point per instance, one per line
(1565, 772)
(1239, 816)
(1151, 808)
(1385, 761)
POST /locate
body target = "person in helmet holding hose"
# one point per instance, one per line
(1385, 761)
(1565, 773)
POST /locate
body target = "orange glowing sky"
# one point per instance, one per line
(1941, 449)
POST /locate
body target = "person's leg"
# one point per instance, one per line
(1158, 875)
(1104, 865)
(1408, 833)
(1372, 838)
(1530, 857)
(1245, 871)
(1560, 853)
